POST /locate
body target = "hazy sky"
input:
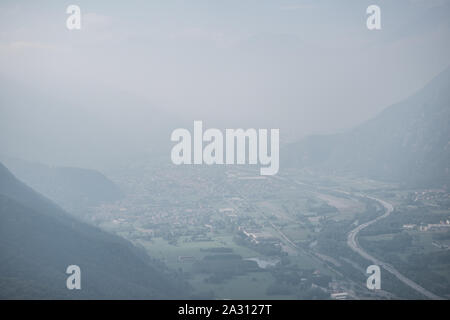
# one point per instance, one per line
(301, 66)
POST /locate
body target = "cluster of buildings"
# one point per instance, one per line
(442, 226)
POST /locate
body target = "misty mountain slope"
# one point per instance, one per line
(407, 142)
(38, 240)
(67, 186)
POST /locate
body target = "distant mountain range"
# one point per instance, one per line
(71, 188)
(38, 240)
(408, 142)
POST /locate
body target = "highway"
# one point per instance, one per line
(353, 244)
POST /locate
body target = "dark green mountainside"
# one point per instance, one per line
(38, 240)
(408, 142)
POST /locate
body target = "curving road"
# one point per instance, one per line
(353, 244)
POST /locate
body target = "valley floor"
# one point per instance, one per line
(237, 235)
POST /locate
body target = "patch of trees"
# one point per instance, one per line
(221, 267)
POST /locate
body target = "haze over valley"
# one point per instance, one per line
(87, 179)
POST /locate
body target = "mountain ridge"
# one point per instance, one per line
(407, 142)
(38, 240)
